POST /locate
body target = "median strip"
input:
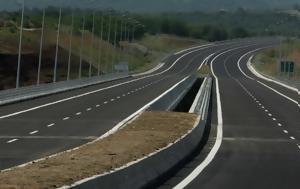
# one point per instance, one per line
(149, 133)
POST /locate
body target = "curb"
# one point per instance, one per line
(158, 166)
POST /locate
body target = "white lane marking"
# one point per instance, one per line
(257, 74)
(298, 146)
(288, 98)
(11, 141)
(100, 90)
(274, 119)
(279, 124)
(33, 132)
(205, 61)
(285, 131)
(239, 66)
(98, 105)
(266, 110)
(185, 50)
(105, 102)
(88, 109)
(293, 138)
(51, 125)
(78, 113)
(219, 138)
(124, 95)
(66, 118)
(112, 100)
(270, 115)
(118, 97)
(129, 93)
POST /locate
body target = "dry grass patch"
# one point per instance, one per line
(150, 132)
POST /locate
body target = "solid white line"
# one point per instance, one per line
(288, 98)
(205, 61)
(51, 125)
(33, 132)
(11, 141)
(257, 74)
(99, 90)
(265, 85)
(219, 138)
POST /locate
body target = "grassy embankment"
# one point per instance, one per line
(101, 52)
(267, 61)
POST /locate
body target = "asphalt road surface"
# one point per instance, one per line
(44, 126)
(255, 132)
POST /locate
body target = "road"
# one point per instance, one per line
(254, 140)
(255, 132)
(44, 126)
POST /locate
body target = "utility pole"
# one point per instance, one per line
(41, 47)
(20, 46)
(92, 46)
(81, 47)
(57, 46)
(70, 46)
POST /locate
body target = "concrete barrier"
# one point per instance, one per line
(155, 168)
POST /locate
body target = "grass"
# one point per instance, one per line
(267, 61)
(204, 71)
(99, 53)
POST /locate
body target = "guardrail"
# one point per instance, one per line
(157, 167)
(25, 93)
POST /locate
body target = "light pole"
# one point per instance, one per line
(57, 46)
(81, 47)
(100, 44)
(92, 46)
(109, 28)
(20, 46)
(70, 46)
(41, 47)
(115, 45)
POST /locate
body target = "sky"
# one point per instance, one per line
(159, 5)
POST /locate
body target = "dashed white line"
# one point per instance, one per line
(118, 97)
(88, 109)
(124, 95)
(105, 102)
(98, 105)
(279, 124)
(51, 125)
(293, 138)
(274, 119)
(33, 132)
(298, 146)
(66, 118)
(266, 110)
(270, 115)
(112, 100)
(11, 141)
(285, 131)
(78, 113)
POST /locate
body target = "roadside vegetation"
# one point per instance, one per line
(267, 61)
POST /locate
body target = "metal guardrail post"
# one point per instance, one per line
(20, 46)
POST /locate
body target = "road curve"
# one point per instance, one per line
(44, 126)
(255, 139)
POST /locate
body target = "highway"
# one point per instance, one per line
(44, 126)
(254, 138)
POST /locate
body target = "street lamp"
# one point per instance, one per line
(20, 46)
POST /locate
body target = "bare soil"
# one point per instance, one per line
(148, 133)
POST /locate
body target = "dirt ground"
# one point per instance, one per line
(150, 132)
